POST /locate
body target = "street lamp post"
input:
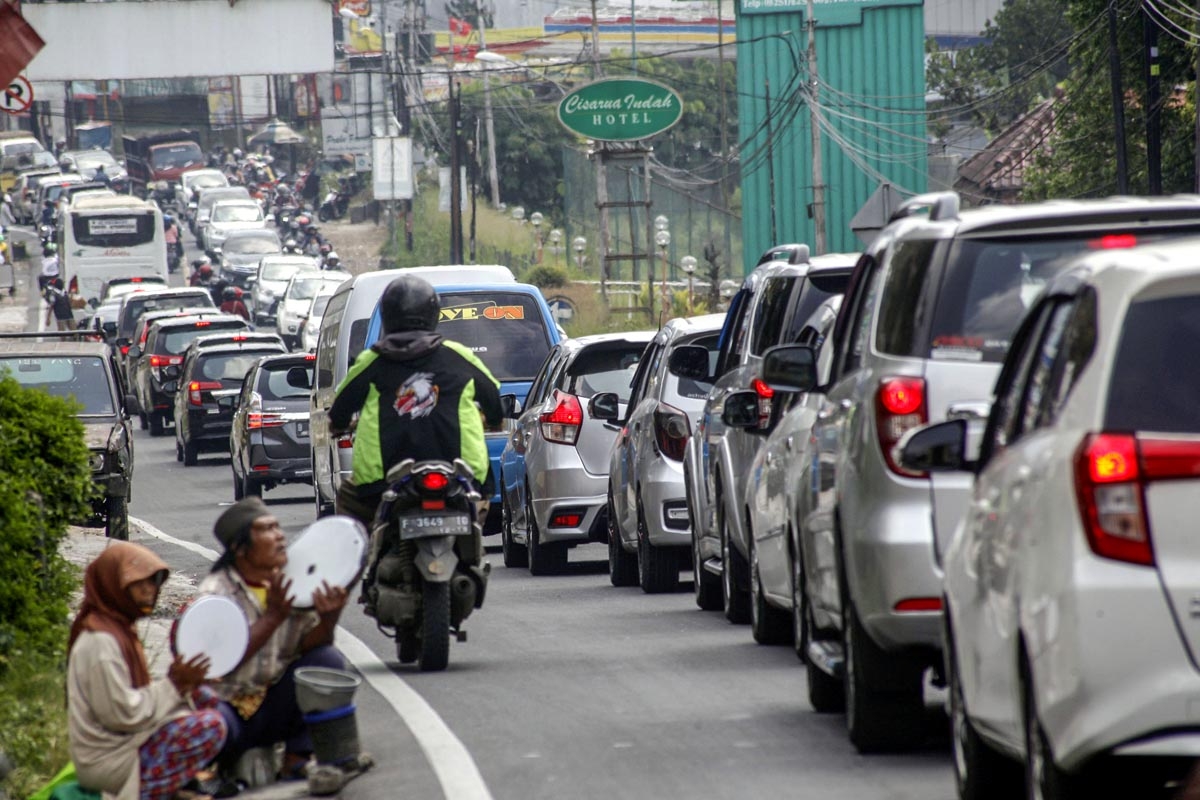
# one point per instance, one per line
(663, 240)
(688, 265)
(535, 219)
(578, 244)
(555, 240)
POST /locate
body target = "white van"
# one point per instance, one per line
(105, 237)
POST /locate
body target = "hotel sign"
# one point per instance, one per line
(620, 109)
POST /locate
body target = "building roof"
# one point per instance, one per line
(996, 174)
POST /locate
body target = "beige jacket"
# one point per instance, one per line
(108, 720)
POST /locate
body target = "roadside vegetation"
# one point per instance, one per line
(45, 486)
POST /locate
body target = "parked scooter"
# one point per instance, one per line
(335, 205)
(425, 572)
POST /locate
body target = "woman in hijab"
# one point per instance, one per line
(133, 737)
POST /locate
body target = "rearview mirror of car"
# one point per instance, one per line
(171, 372)
(130, 403)
(741, 411)
(941, 447)
(135, 352)
(227, 402)
(689, 361)
(790, 368)
(299, 378)
(605, 406)
(510, 406)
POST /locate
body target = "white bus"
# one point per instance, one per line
(103, 237)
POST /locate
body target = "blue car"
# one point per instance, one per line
(509, 327)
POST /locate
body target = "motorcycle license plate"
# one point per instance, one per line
(422, 525)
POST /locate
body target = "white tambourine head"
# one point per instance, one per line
(331, 550)
(214, 626)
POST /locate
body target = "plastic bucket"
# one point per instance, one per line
(323, 689)
(334, 735)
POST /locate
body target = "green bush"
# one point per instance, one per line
(545, 276)
(45, 485)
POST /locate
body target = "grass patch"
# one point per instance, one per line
(33, 717)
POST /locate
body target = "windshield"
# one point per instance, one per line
(227, 367)
(175, 156)
(95, 159)
(280, 270)
(318, 306)
(308, 288)
(112, 230)
(82, 378)
(273, 383)
(504, 329)
(238, 213)
(252, 245)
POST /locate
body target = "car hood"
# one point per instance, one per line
(241, 259)
(225, 227)
(95, 434)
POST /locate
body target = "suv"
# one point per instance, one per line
(270, 281)
(554, 468)
(922, 332)
(202, 422)
(772, 307)
(154, 367)
(296, 298)
(134, 305)
(268, 445)
(63, 365)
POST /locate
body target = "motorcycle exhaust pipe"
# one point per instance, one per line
(462, 598)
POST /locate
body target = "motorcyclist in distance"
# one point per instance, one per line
(417, 396)
(202, 273)
(233, 304)
(332, 261)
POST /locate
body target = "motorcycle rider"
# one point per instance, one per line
(332, 261)
(232, 296)
(416, 395)
(174, 246)
(311, 244)
(100, 176)
(202, 273)
(49, 265)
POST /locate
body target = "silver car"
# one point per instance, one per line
(554, 468)
(274, 272)
(649, 531)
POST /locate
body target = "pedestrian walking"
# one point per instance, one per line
(58, 304)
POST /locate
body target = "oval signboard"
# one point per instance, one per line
(620, 109)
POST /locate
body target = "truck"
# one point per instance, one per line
(161, 157)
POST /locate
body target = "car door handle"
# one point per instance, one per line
(789, 442)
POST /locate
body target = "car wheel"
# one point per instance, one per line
(980, 772)
(238, 491)
(707, 585)
(622, 566)
(884, 703)
(191, 453)
(825, 692)
(736, 600)
(768, 625)
(143, 422)
(515, 555)
(251, 487)
(156, 422)
(544, 559)
(658, 567)
(1043, 778)
(116, 518)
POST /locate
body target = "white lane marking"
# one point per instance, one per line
(456, 771)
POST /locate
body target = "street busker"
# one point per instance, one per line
(417, 396)
(132, 736)
(259, 697)
(233, 304)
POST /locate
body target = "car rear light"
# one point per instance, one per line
(566, 519)
(73, 287)
(913, 604)
(345, 441)
(310, 357)
(765, 398)
(165, 361)
(1114, 241)
(561, 426)
(256, 420)
(124, 349)
(671, 431)
(1109, 487)
(203, 324)
(196, 388)
(899, 407)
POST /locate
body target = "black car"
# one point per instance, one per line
(154, 366)
(67, 365)
(269, 443)
(136, 304)
(208, 374)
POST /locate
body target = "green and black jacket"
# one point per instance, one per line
(420, 397)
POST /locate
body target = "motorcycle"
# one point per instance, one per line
(335, 206)
(426, 572)
(45, 234)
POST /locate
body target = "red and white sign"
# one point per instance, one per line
(361, 8)
(18, 96)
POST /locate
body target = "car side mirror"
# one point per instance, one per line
(790, 368)
(689, 361)
(130, 402)
(510, 406)
(605, 406)
(109, 328)
(227, 402)
(741, 410)
(941, 447)
(299, 378)
(171, 372)
(135, 352)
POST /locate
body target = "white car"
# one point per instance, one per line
(1072, 585)
(274, 272)
(232, 215)
(312, 322)
(189, 186)
(297, 297)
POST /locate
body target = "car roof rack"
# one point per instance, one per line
(941, 205)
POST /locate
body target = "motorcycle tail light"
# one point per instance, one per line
(433, 481)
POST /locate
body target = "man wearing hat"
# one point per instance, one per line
(259, 697)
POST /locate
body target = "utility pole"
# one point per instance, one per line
(814, 113)
(771, 165)
(595, 43)
(723, 117)
(493, 175)
(1153, 105)
(1196, 186)
(1118, 99)
(456, 233)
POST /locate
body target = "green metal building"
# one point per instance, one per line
(871, 101)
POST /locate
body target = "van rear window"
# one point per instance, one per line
(1154, 381)
(505, 330)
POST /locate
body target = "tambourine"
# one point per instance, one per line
(214, 626)
(331, 550)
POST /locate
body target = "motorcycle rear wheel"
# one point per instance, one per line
(435, 627)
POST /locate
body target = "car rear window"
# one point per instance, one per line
(273, 383)
(176, 339)
(607, 368)
(228, 366)
(83, 378)
(505, 330)
(988, 286)
(136, 306)
(1153, 386)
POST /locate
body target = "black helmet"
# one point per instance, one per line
(409, 304)
(229, 293)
